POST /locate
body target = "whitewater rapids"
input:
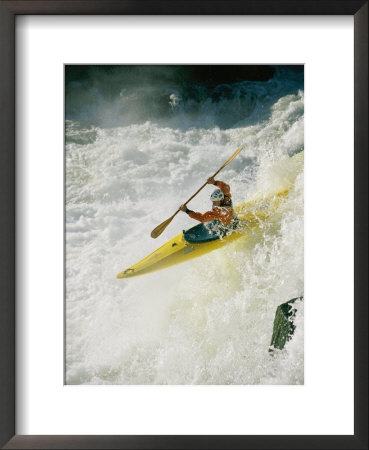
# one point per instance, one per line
(210, 320)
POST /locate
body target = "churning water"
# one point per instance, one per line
(137, 147)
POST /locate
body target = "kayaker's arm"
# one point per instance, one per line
(207, 216)
(198, 216)
(224, 187)
(223, 214)
(185, 209)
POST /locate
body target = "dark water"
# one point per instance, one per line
(180, 96)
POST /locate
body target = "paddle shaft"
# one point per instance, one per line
(194, 195)
(160, 228)
(213, 176)
(202, 187)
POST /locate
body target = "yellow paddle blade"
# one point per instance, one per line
(160, 228)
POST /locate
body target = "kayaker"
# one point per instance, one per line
(222, 209)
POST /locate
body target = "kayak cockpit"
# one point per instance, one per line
(208, 231)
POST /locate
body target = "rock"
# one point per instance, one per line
(283, 327)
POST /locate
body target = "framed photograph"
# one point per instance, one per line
(183, 191)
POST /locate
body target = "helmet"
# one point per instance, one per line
(217, 196)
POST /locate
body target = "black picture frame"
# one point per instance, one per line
(8, 11)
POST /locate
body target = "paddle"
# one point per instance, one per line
(160, 228)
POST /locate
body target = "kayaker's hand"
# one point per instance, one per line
(211, 180)
(183, 208)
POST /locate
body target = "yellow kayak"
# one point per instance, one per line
(204, 238)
